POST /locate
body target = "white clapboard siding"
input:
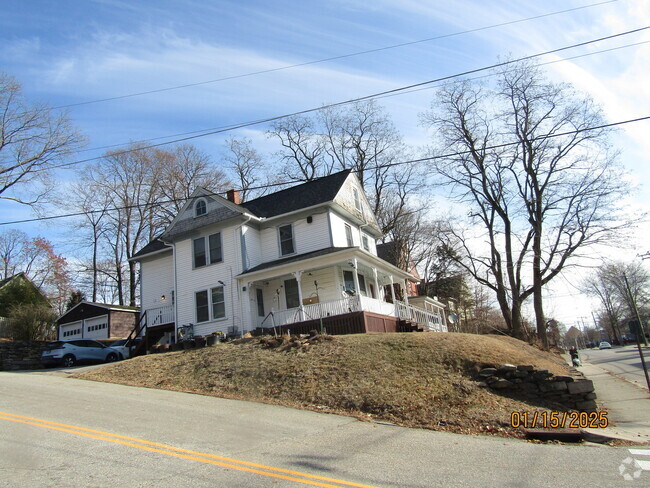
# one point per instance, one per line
(307, 237)
(157, 280)
(190, 280)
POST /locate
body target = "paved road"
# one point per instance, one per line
(622, 361)
(61, 432)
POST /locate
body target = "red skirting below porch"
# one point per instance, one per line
(349, 323)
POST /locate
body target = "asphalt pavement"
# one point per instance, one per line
(627, 402)
(64, 432)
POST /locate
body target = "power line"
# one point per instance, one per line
(392, 91)
(388, 165)
(201, 131)
(333, 58)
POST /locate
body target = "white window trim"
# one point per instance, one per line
(196, 204)
(210, 309)
(293, 240)
(206, 246)
(365, 242)
(349, 236)
(357, 199)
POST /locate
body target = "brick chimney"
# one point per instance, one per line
(233, 196)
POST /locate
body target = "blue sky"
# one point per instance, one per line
(73, 51)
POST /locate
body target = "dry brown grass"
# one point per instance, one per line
(416, 380)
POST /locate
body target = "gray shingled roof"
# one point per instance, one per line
(306, 195)
(186, 226)
(298, 257)
(154, 246)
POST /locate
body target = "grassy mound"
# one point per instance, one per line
(416, 380)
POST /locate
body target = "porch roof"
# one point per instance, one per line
(322, 257)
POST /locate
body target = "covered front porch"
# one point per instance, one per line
(431, 321)
(331, 284)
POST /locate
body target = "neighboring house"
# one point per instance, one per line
(291, 258)
(19, 290)
(397, 254)
(89, 320)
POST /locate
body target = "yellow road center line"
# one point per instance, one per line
(179, 452)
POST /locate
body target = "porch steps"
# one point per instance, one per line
(405, 325)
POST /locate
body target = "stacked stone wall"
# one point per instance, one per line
(16, 355)
(573, 392)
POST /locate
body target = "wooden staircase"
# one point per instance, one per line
(406, 325)
(139, 346)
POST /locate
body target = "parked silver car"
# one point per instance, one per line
(121, 347)
(69, 353)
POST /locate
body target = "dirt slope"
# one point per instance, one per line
(417, 380)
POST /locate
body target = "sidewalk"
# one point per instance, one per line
(628, 406)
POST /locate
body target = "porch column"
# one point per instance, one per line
(392, 289)
(357, 289)
(298, 276)
(406, 293)
(377, 291)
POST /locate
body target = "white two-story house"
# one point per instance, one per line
(297, 259)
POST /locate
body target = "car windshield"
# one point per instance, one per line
(121, 342)
(55, 345)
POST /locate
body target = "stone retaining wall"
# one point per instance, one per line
(573, 392)
(17, 355)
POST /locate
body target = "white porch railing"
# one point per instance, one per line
(160, 315)
(430, 320)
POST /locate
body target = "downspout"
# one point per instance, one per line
(241, 259)
(175, 296)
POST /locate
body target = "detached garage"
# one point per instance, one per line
(89, 320)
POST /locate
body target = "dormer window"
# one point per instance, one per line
(200, 208)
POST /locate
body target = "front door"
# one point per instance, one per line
(291, 293)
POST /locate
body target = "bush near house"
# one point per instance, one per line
(31, 323)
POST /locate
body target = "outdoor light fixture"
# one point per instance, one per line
(163, 298)
(221, 283)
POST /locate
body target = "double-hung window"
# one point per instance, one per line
(348, 235)
(207, 254)
(199, 252)
(210, 304)
(357, 200)
(218, 303)
(365, 243)
(286, 240)
(202, 307)
(215, 248)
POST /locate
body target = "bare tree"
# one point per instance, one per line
(599, 285)
(630, 284)
(180, 171)
(130, 183)
(361, 137)
(537, 175)
(303, 148)
(247, 166)
(32, 139)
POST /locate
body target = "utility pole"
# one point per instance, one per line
(639, 331)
